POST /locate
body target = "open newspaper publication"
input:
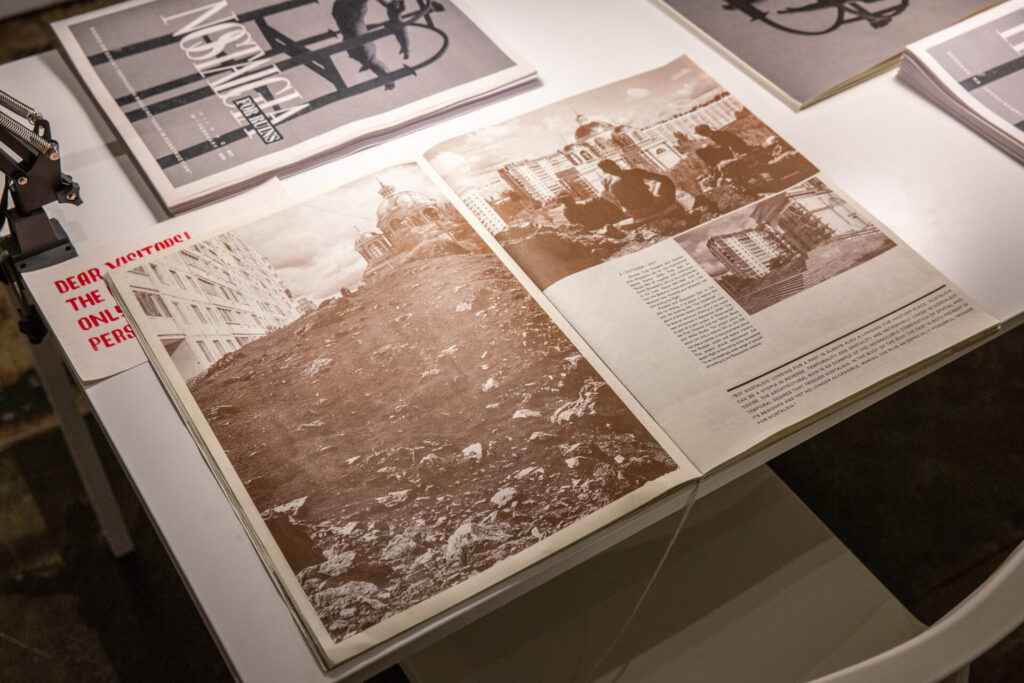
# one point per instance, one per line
(211, 96)
(638, 285)
(807, 50)
(975, 71)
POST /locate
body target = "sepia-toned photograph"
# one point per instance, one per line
(785, 244)
(615, 169)
(400, 411)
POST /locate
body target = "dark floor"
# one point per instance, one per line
(71, 612)
(27, 34)
(927, 488)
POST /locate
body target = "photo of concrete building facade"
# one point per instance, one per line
(785, 244)
(573, 169)
(748, 253)
(490, 218)
(210, 299)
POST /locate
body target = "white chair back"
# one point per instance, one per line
(980, 621)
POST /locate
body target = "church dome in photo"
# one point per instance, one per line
(589, 128)
(366, 238)
(626, 135)
(403, 208)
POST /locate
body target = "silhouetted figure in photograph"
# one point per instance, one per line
(592, 215)
(853, 8)
(747, 7)
(350, 16)
(724, 139)
(629, 188)
(729, 156)
(875, 20)
(394, 9)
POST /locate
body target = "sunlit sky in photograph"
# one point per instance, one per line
(312, 243)
(637, 101)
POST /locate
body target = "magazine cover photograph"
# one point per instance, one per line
(411, 416)
(615, 169)
(807, 50)
(202, 89)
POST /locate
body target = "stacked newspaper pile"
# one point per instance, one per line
(975, 71)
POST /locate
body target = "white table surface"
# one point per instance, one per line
(944, 190)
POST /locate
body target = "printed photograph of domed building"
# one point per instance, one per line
(615, 169)
(410, 225)
(421, 419)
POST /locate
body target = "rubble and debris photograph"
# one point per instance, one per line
(417, 416)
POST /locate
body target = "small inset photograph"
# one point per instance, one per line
(782, 245)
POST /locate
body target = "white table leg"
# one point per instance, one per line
(56, 384)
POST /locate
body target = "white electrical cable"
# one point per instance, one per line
(650, 581)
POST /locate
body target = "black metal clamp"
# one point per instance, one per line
(30, 163)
